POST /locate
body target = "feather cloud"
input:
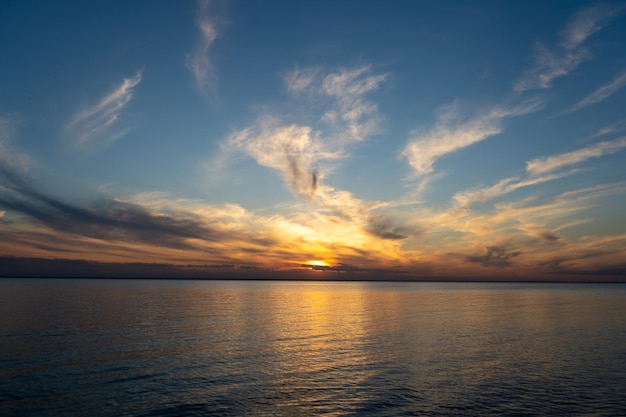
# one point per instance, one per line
(553, 163)
(571, 52)
(601, 94)
(301, 152)
(198, 62)
(450, 135)
(99, 125)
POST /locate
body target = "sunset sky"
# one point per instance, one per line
(398, 140)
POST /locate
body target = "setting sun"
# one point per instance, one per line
(317, 263)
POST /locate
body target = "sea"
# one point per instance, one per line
(112, 347)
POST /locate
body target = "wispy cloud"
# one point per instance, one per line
(586, 22)
(541, 232)
(550, 65)
(507, 185)
(451, 134)
(9, 156)
(347, 88)
(292, 150)
(301, 152)
(601, 93)
(609, 130)
(198, 62)
(553, 163)
(571, 52)
(350, 87)
(99, 125)
(299, 80)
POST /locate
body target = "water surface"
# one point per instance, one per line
(166, 348)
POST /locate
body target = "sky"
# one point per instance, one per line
(321, 139)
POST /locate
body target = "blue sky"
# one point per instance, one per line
(410, 139)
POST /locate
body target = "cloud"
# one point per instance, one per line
(292, 150)
(601, 93)
(349, 87)
(495, 255)
(98, 125)
(541, 232)
(9, 156)
(589, 256)
(342, 267)
(126, 228)
(552, 163)
(301, 152)
(586, 22)
(609, 130)
(152, 227)
(299, 80)
(198, 62)
(451, 134)
(457, 228)
(507, 185)
(552, 64)
(384, 227)
(110, 219)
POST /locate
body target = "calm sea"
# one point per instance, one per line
(184, 348)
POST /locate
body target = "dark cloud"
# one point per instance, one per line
(301, 180)
(385, 228)
(549, 236)
(560, 264)
(500, 256)
(342, 267)
(108, 219)
(336, 268)
(314, 180)
(610, 273)
(553, 264)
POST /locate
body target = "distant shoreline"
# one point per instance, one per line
(334, 279)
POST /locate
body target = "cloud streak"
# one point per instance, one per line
(350, 87)
(553, 163)
(99, 125)
(601, 93)
(507, 185)
(451, 134)
(571, 52)
(198, 62)
(586, 22)
(8, 155)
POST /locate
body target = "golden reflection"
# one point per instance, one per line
(321, 330)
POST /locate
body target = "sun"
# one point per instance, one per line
(317, 263)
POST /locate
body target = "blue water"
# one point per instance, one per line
(178, 348)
